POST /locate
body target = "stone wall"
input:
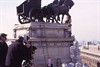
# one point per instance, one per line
(53, 42)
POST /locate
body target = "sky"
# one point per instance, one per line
(85, 18)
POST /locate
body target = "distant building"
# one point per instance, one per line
(90, 55)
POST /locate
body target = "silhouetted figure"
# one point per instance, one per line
(17, 52)
(3, 49)
(62, 8)
(48, 13)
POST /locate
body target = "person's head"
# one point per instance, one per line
(21, 39)
(3, 36)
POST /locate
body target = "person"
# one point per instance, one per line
(17, 52)
(3, 49)
(49, 63)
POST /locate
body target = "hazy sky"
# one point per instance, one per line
(85, 18)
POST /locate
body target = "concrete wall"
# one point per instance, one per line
(55, 37)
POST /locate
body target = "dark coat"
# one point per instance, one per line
(16, 53)
(3, 52)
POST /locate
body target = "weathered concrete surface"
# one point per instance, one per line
(53, 41)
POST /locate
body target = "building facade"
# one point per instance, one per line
(90, 55)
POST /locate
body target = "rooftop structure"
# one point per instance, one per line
(90, 55)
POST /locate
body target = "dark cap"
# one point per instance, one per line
(3, 35)
(21, 38)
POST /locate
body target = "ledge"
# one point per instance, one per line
(48, 25)
(52, 39)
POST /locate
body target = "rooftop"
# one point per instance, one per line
(91, 49)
